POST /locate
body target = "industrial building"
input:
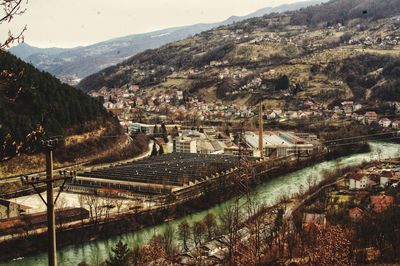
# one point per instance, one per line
(185, 145)
(280, 144)
(148, 129)
(10, 209)
(156, 175)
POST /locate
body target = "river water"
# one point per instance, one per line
(269, 193)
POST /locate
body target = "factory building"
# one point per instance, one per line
(148, 129)
(157, 175)
(185, 145)
(280, 144)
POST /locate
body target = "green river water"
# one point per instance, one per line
(269, 193)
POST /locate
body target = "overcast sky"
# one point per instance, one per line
(70, 23)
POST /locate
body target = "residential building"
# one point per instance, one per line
(381, 203)
(313, 221)
(358, 181)
(185, 145)
(396, 124)
(371, 117)
(385, 178)
(385, 122)
(356, 214)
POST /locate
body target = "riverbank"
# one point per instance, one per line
(137, 221)
(95, 252)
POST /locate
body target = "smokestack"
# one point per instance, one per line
(260, 131)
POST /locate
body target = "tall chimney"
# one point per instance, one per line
(260, 131)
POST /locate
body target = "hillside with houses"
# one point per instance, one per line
(280, 60)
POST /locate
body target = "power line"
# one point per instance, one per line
(358, 142)
(362, 136)
(49, 146)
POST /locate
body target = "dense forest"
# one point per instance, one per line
(34, 103)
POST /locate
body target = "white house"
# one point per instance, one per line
(357, 107)
(387, 177)
(396, 124)
(385, 122)
(358, 181)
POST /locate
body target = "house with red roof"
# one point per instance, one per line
(313, 221)
(371, 117)
(396, 124)
(356, 214)
(381, 203)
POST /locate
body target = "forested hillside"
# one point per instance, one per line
(34, 103)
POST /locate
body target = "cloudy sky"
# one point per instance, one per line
(70, 23)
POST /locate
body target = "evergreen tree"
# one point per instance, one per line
(155, 131)
(163, 129)
(120, 256)
(37, 98)
(282, 83)
(154, 151)
(161, 150)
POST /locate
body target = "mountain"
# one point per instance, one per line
(71, 65)
(34, 103)
(323, 51)
(24, 50)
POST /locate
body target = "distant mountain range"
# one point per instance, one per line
(73, 64)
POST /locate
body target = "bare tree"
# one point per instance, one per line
(12, 8)
(379, 153)
(118, 204)
(255, 225)
(168, 236)
(108, 204)
(230, 222)
(96, 207)
(81, 200)
(184, 233)
(209, 221)
(60, 205)
(199, 230)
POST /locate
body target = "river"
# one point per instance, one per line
(269, 193)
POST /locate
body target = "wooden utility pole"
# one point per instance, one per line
(48, 147)
(51, 220)
(260, 131)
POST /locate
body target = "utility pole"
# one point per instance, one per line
(260, 131)
(48, 146)
(51, 220)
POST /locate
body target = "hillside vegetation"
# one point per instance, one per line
(329, 52)
(34, 103)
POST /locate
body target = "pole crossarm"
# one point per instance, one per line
(48, 146)
(40, 195)
(46, 181)
(61, 189)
